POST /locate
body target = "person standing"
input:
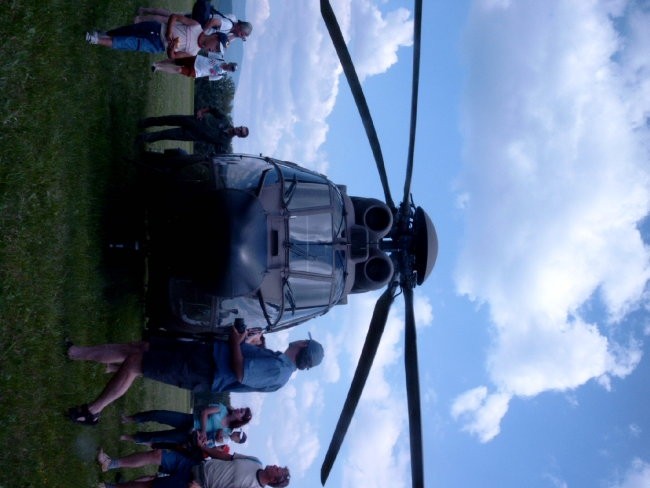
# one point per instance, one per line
(210, 126)
(207, 423)
(179, 37)
(212, 66)
(223, 471)
(232, 366)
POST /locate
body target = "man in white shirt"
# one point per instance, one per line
(223, 471)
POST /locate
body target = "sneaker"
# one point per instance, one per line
(92, 37)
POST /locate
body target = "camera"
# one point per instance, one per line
(240, 325)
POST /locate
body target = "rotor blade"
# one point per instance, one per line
(376, 329)
(360, 99)
(413, 390)
(417, 28)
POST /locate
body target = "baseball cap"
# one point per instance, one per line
(310, 355)
(242, 436)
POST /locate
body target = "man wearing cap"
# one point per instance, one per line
(232, 366)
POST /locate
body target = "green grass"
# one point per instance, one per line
(68, 118)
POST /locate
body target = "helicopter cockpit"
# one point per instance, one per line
(254, 238)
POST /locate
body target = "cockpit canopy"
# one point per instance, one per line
(269, 242)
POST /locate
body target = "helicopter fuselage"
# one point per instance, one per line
(268, 241)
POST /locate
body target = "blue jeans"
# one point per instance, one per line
(143, 37)
(183, 424)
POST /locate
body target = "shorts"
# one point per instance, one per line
(179, 468)
(185, 364)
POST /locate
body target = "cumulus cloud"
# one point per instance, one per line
(290, 76)
(382, 427)
(288, 433)
(636, 476)
(555, 181)
(380, 420)
(482, 412)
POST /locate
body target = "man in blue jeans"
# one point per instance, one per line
(222, 366)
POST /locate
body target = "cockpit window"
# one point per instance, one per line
(243, 172)
(306, 195)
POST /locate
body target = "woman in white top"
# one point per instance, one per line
(213, 22)
(179, 37)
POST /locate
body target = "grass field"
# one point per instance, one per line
(68, 119)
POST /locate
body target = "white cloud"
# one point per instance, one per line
(378, 434)
(637, 476)
(287, 440)
(290, 72)
(556, 179)
(333, 346)
(311, 394)
(422, 310)
(380, 420)
(555, 481)
(635, 430)
(481, 412)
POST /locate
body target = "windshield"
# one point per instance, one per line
(314, 269)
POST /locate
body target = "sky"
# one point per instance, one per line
(532, 160)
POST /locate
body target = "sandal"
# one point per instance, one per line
(81, 415)
(104, 460)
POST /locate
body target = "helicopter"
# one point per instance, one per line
(235, 237)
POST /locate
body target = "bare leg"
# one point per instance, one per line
(161, 19)
(154, 11)
(107, 353)
(112, 367)
(105, 41)
(140, 459)
(140, 482)
(137, 483)
(167, 66)
(119, 384)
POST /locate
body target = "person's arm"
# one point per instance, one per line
(236, 356)
(169, 33)
(217, 453)
(217, 113)
(162, 12)
(178, 54)
(205, 414)
(213, 23)
(181, 19)
(218, 436)
(171, 46)
(202, 111)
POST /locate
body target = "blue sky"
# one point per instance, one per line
(532, 160)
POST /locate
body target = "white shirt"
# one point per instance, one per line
(238, 473)
(210, 66)
(227, 23)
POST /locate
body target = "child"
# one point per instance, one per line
(213, 66)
